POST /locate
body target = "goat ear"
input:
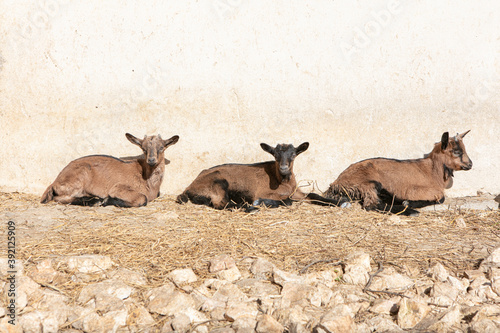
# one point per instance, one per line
(173, 140)
(133, 139)
(267, 148)
(461, 136)
(302, 148)
(444, 140)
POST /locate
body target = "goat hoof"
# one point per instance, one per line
(256, 202)
(251, 209)
(345, 205)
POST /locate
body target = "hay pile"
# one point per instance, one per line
(164, 235)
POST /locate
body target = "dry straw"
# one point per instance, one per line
(164, 235)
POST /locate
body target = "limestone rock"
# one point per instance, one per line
(411, 312)
(139, 319)
(267, 324)
(182, 276)
(388, 279)
(281, 277)
(110, 287)
(220, 263)
(340, 319)
(446, 320)
(384, 306)
(438, 272)
(262, 269)
(257, 288)
(357, 268)
(90, 263)
(238, 310)
(6, 327)
(128, 276)
(169, 304)
(492, 261)
(231, 274)
(44, 273)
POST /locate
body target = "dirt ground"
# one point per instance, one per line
(165, 235)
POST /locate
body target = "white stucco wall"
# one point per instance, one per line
(356, 79)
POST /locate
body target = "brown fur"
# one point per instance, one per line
(234, 185)
(112, 181)
(421, 181)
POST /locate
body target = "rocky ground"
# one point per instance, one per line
(298, 269)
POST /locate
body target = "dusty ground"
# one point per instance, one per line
(165, 235)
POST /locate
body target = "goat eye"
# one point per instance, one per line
(457, 152)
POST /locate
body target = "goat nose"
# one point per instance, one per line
(151, 161)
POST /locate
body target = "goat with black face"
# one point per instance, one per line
(269, 183)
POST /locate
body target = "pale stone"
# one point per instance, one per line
(229, 292)
(105, 303)
(118, 318)
(460, 285)
(446, 320)
(383, 324)
(6, 327)
(90, 263)
(182, 276)
(391, 280)
(194, 315)
(181, 323)
(487, 311)
(44, 273)
(5, 267)
(321, 295)
(220, 263)
(28, 286)
(31, 322)
(231, 274)
(77, 314)
(484, 326)
(244, 324)
(257, 287)
(113, 287)
(358, 259)
(92, 323)
(438, 272)
(281, 277)
(444, 289)
(473, 274)
(384, 306)
(262, 269)
(168, 304)
(139, 319)
(237, 310)
(295, 292)
(51, 323)
(329, 277)
(441, 300)
(167, 288)
(222, 330)
(338, 320)
(128, 276)
(411, 312)
(492, 261)
(356, 275)
(267, 324)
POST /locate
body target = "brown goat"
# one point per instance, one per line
(111, 181)
(400, 185)
(270, 183)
